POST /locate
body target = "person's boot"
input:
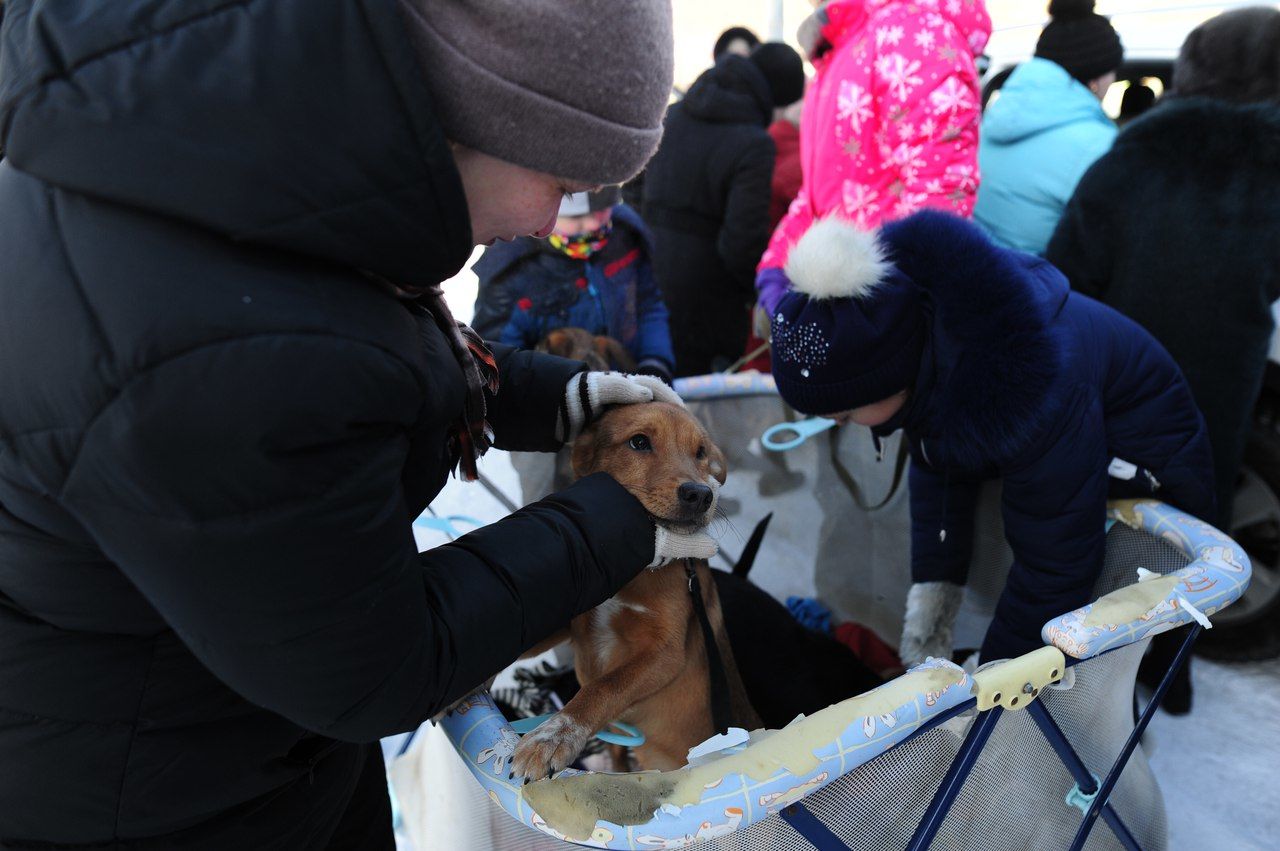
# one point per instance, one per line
(1164, 648)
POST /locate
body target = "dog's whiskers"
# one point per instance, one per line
(721, 518)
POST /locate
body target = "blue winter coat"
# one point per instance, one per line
(1027, 381)
(1038, 138)
(528, 289)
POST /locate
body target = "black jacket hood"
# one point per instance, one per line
(292, 124)
(734, 91)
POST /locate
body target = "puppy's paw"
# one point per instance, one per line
(550, 748)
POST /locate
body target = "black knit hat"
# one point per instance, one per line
(731, 35)
(1081, 41)
(783, 68)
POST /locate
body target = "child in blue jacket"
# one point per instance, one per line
(593, 272)
(995, 369)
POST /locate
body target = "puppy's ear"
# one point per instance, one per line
(615, 353)
(715, 460)
(555, 343)
(585, 449)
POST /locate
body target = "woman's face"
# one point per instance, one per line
(877, 413)
(507, 201)
(591, 222)
(1099, 85)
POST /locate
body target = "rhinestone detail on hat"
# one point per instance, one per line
(800, 344)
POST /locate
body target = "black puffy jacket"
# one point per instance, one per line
(1178, 228)
(215, 431)
(706, 200)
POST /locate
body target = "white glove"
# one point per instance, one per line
(671, 546)
(662, 391)
(588, 393)
(931, 618)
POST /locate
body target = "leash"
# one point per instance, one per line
(746, 359)
(716, 675)
(846, 478)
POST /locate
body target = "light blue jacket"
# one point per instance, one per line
(1038, 138)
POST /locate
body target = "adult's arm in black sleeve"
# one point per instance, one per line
(526, 408)
(251, 490)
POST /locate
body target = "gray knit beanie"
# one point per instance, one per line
(573, 88)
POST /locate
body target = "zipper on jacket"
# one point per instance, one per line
(602, 316)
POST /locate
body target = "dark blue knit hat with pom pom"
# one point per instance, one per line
(851, 331)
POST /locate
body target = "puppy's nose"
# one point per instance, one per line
(694, 497)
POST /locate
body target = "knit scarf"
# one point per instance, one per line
(581, 246)
(471, 435)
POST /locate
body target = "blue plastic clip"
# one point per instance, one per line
(445, 524)
(1083, 800)
(803, 430)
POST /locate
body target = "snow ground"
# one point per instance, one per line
(1218, 766)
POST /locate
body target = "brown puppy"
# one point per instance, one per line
(640, 656)
(600, 354)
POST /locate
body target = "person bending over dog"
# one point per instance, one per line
(593, 273)
(994, 368)
(229, 382)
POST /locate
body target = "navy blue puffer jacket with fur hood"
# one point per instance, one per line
(1026, 381)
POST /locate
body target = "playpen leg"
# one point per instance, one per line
(807, 825)
(956, 775)
(1085, 781)
(1109, 782)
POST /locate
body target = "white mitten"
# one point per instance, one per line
(931, 618)
(588, 393)
(662, 391)
(670, 546)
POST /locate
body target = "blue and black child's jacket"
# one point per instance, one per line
(1027, 381)
(528, 289)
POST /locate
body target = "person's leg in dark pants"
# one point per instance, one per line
(1164, 647)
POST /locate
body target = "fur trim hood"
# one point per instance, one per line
(995, 362)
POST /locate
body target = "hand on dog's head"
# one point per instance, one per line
(662, 455)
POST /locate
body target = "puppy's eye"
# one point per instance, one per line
(702, 452)
(640, 443)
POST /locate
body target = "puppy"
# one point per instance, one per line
(640, 656)
(787, 669)
(600, 354)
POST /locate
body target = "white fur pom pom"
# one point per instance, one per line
(836, 260)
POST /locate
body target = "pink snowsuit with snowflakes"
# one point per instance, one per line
(890, 123)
